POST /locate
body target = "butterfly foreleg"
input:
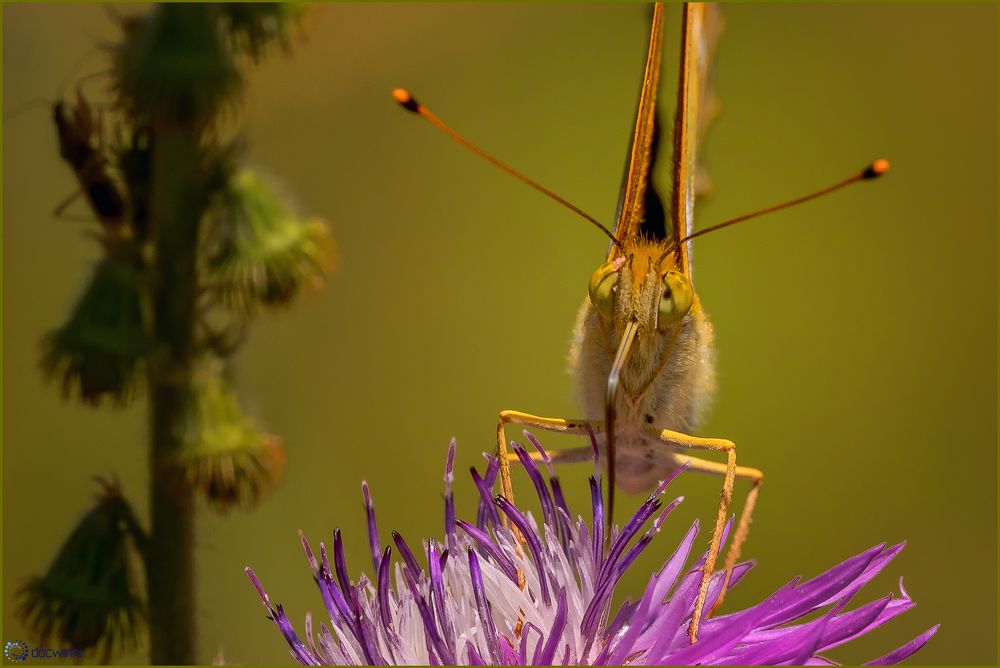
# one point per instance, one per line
(559, 425)
(60, 210)
(755, 476)
(742, 528)
(679, 441)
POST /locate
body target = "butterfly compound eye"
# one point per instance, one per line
(676, 298)
(602, 289)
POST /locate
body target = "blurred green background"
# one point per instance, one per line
(856, 335)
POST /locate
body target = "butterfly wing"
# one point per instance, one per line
(632, 199)
(701, 25)
(708, 104)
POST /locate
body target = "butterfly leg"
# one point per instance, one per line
(559, 425)
(60, 210)
(756, 477)
(678, 440)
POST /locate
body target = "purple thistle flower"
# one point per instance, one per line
(486, 598)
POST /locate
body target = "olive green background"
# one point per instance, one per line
(855, 335)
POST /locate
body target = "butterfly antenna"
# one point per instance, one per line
(68, 77)
(43, 101)
(872, 171)
(19, 109)
(408, 102)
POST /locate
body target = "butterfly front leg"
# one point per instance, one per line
(60, 210)
(729, 471)
(559, 425)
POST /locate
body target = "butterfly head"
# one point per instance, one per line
(646, 286)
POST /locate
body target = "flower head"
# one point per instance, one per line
(98, 352)
(266, 254)
(485, 597)
(90, 598)
(224, 456)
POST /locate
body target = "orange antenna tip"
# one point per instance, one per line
(876, 169)
(405, 100)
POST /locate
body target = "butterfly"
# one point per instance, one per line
(642, 350)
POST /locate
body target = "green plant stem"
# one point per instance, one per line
(175, 215)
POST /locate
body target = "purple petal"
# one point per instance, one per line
(340, 564)
(330, 643)
(333, 597)
(625, 615)
(626, 561)
(485, 498)
(430, 628)
(404, 551)
(534, 546)
(597, 522)
(852, 624)
(667, 625)
(548, 652)
(596, 450)
(536, 479)
(492, 470)
(366, 634)
(636, 522)
(840, 630)
(437, 593)
(907, 650)
(449, 498)
(510, 656)
(309, 553)
(298, 650)
(525, 632)
(541, 451)
(382, 590)
(794, 647)
(309, 634)
(709, 645)
(502, 561)
(259, 587)
(483, 607)
(611, 567)
(812, 594)
(374, 545)
(562, 514)
(627, 642)
(473, 656)
(811, 642)
(613, 570)
(667, 576)
(672, 643)
(277, 614)
(877, 564)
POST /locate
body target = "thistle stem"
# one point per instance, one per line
(170, 558)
